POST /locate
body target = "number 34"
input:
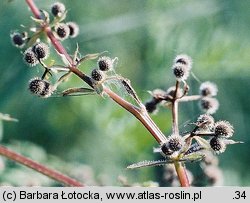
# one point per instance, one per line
(240, 195)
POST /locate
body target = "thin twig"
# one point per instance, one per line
(39, 168)
(189, 98)
(175, 110)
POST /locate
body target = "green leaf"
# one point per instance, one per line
(196, 156)
(150, 163)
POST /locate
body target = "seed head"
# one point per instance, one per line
(175, 142)
(183, 59)
(205, 122)
(62, 31)
(73, 29)
(171, 92)
(209, 105)
(166, 150)
(30, 57)
(97, 75)
(41, 50)
(18, 39)
(223, 129)
(57, 9)
(151, 106)
(208, 89)
(105, 63)
(181, 71)
(217, 145)
(40, 87)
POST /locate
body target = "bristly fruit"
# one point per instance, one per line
(57, 9)
(18, 39)
(208, 89)
(40, 87)
(105, 63)
(217, 145)
(62, 31)
(205, 122)
(183, 59)
(30, 57)
(209, 105)
(97, 75)
(41, 50)
(223, 129)
(171, 92)
(175, 142)
(181, 71)
(73, 29)
(151, 106)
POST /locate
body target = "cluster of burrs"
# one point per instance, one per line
(35, 45)
(206, 135)
(36, 51)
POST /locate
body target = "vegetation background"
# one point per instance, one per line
(93, 138)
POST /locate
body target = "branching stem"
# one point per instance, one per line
(139, 113)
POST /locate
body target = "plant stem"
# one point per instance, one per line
(36, 12)
(39, 168)
(141, 115)
(179, 167)
(175, 110)
(189, 98)
(181, 173)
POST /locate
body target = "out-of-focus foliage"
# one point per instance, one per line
(145, 35)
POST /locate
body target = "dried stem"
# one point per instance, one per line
(39, 168)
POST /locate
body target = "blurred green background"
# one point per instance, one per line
(95, 134)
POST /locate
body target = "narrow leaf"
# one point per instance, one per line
(149, 163)
(90, 57)
(232, 142)
(195, 156)
(78, 91)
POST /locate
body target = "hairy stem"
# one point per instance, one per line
(39, 168)
(181, 173)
